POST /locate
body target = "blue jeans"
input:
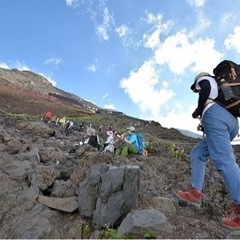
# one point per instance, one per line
(220, 127)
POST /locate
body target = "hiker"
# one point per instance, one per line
(81, 126)
(110, 138)
(62, 122)
(109, 143)
(93, 138)
(220, 128)
(68, 127)
(54, 120)
(130, 142)
(47, 117)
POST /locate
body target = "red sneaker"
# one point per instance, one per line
(191, 196)
(232, 220)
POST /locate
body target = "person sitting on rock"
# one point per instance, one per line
(130, 143)
(109, 143)
(92, 139)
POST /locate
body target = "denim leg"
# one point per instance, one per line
(198, 157)
(221, 127)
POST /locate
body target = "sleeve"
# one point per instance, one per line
(131, 138)
(205, 89)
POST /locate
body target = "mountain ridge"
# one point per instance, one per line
(35, 82)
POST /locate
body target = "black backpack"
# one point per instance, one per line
(227, 75)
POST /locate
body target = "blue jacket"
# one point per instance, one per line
(133, 139)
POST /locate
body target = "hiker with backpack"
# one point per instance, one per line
(92, 138)
(220, 127)
(130, 142)
(47, 117)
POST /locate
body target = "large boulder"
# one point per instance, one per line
(109, 193)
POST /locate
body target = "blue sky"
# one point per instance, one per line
(136, 56)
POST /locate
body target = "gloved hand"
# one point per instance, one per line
(200, 127)
(196, 113)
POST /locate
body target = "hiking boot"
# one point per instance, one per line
(232, 220)
(190, 196)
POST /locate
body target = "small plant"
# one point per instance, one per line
(149, 235)
(110, 233)
(86, 230)
(177, 152)
(148, 145)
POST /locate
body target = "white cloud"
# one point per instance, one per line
(105, 95)
(21, 66)
(101, 17)
(227, 18)
(152, 19)
(141, 87)
(72, 3)
(180, 118)
(152, 41)
(232, 41)
(104, 28)
(202, 24)
(124, 33)
(92, 68)
(186, 54)
(150, 86)
(110, 107)
(55, 61)
(122, 30)
(4, 65)
(196, 3)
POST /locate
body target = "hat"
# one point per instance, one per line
(132, 129)
(109, 133)
(90, 131)
(202, 74)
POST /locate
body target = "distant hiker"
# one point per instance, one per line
(92, 139)
(68, 127)
(130, 143)
(109, 143)
(220, 128)
(81, 126)
(56, 120)
(62, 122)
(47, 117)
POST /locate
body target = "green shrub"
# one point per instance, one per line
(86, 230)
(110, 233)
(177, 152)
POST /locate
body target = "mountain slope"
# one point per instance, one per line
(30, 84)
(163, 172)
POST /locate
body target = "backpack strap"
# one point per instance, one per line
(233, 73)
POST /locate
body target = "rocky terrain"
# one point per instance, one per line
(37, 166)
